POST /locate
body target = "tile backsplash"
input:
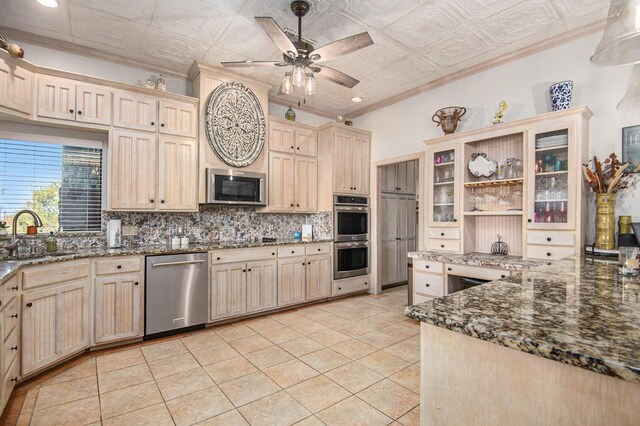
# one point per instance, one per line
(210, 224)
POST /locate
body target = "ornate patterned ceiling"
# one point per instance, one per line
(417, 42)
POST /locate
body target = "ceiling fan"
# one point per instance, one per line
(303, 57)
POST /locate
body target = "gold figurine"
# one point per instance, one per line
(497, 119)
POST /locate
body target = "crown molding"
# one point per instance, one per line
(501, 60)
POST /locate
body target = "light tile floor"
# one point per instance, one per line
(352, 361)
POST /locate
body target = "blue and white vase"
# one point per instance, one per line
(560, 94)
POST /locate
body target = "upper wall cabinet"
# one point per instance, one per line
(135, 111)
(178, 118)
(63, 99)
(281, 136)
(16, 87)
(177, 173)
(291, 137)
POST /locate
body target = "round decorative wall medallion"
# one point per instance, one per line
(235, 124)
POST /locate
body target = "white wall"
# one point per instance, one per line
(401, 128)
(50, 58)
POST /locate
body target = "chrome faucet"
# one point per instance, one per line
(12, 248)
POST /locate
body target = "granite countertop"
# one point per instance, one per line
(512, 263)
(9, 268)
(578, 312)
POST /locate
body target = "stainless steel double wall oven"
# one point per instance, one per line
(351, 216)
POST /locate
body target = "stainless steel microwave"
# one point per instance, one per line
(226, 186)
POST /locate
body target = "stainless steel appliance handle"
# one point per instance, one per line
(350, 245)
(351, 209)
(186, 262)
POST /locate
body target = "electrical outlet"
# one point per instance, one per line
(129, 231)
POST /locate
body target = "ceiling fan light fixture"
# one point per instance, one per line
(287, 83)
(298, 75)
(356, 99)
(310, 84)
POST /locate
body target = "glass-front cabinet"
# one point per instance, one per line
(552, 189)
(444, 204)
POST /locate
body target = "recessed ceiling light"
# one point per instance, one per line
(48, 3)
(356, 99)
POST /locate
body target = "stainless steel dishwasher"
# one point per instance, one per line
(176, 293)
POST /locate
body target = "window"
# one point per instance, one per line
(61, 183)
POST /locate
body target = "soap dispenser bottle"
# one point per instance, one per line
(52, 243)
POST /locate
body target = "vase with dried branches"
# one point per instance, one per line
(606, 179)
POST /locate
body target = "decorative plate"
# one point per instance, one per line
(235, 124)
(481, 167)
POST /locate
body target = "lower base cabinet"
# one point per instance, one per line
(55, 323)
(118, 307)
(228, 290)
(291, 281)
(262, 290)
(318, 277)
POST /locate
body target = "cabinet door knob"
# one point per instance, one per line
(14, 288)
(161, 201)
(272, 254)
(153, 123)
(292, 147)
(455, 220)
(427, 285)
(298, 148)
(293, 251)
(339, 288)
(303, 263)
(291, 204)
(136, 283)
(297, 205)
(151, 200)
(318, 249)
(14, 348)
(217, 258)
(503, 276)
(29, 305)
(548, 238)
(441, 245)
(79, 112)
(442, 234)
(249, 270)
(15, 379)
(14, 316)
(366, 283)
(549, 253)
(427, 266)
(529, 220)
(119, 266)
(71, 111)
(448, 269)
(161, 124)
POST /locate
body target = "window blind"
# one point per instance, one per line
(62, 184)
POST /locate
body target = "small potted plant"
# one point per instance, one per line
(3, 229)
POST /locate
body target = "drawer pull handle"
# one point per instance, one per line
(15, 379)
(119, 266)
(548, 253)
(427, 285)
(217, 258)
(29, 305)
(339, 288)
(549, 239)
(427, 266)
(14, 348)
(14, 316)
(503, 276)
(318, 249)
(293, 251)
(14, 288)
(448, 269)
(272, 254)
(442, 234)
(442, 245)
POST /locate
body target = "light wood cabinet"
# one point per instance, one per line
(400, 178)
(178, 118)
(306, 184)
(262, 285)
(318, 277)
(177, 173)
(306, 142)
(118, 307)
(135, 111)
(291, 281)
(64, 99)
(281, 182)
(281, 136)
(16, 87)
(132, 170)
(398, 235)
(93, 104)
(55, 324)
(228, 291)
(56, 98)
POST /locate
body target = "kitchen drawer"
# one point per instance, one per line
(428, 284)
(551, 238)
(40, 276)
(10, 379)
(444, 233)
(476, 272)
(11, 350)
(351, 285)
(9, 291)
(542, 252)
(428, 266)
(421, 298)
(324, 248)
(242, 255)
(444, 245)
(10, 317)
(291, 251)
(118, 265)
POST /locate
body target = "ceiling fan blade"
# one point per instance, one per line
(335, 76)
(278, 36)
(247, 64)
(341, 47)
